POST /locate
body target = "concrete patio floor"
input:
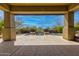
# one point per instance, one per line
(39, 45)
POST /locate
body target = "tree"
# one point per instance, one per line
(1, 24)
(76, 26)
(58, 29)
(39, 30)
(18, 23)
(33, 29)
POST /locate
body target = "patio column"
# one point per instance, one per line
(9, 32)
(68, 31)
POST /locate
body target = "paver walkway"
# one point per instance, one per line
(39, 45)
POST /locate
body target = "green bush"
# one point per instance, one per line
(39, 30)
(24, 30)
(58, 29)
(76, 27)
(33, 29)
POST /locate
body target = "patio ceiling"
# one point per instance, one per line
(39, 8)
(39, 4)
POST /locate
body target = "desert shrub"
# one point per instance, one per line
(58, 29)
(33, 29)
(46, 30)
(76, 28)
(24, 30)
(39, 30)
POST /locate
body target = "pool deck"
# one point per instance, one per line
(39, 45)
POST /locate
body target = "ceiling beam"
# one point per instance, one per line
(39, 10)
(39, 4)
(4, 7)
(73, 7)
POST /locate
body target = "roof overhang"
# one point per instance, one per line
(41, 8)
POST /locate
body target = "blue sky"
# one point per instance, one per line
(40, 20)
(43, 21)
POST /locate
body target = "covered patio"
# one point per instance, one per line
(12, 45)
(67, 9)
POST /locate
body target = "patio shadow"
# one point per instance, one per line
(9, 49)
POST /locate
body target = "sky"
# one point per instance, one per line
(43, 21)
